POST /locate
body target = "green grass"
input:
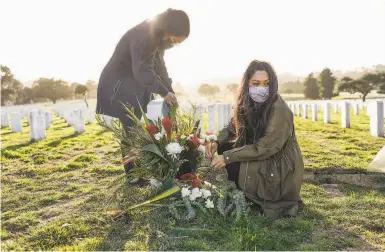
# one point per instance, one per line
(55, 193)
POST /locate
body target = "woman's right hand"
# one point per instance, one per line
(210, 150)
(171, 100)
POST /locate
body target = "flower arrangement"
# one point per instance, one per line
(170, 150)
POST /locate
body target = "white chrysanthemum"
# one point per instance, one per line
(201, 148)
(209, 203)
(158, 136)
(202, 141)
(185, 192)
(182, 137)
(205, 193)
(195, 193)
(173, 149)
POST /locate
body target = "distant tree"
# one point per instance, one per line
(11, 88)
(232, 88)
(381, 88)
(82, 90)
(311, 90)
(208, 90)
(363, 85)
(327, 83)
(92, 88)
(52, 89)
(288, 91)
(26, 96)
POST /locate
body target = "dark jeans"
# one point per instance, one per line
(232, 168)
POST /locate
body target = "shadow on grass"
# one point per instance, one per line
(311, 230)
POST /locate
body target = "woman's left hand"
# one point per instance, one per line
(218, 162)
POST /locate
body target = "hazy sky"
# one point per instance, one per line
(73, 40)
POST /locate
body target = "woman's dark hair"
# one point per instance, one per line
(175, 22)
(250, 118)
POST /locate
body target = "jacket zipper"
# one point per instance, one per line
(244, 183)
(116, 90)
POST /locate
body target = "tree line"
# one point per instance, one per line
(14, 92)
(326, 86)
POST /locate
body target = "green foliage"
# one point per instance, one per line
(9, 154)
(311, 90)
(327, 83)
(363, 85)
(52, 89)
(208, 90)
(10, 87)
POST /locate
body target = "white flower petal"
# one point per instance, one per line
(209, 203)
(185, 192)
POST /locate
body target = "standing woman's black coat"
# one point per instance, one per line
(135, 71)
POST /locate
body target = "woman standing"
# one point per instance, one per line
(137, 69)
(259, 148)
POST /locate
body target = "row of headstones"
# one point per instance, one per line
(38, 121)
(376, 114)
(223, 112)
(218, 114)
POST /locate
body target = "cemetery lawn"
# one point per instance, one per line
(55, 193)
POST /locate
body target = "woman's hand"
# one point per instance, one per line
(130, 158)
(171, 100)
(218, 162)
(210, 150)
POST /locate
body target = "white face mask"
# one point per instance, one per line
(259, 94)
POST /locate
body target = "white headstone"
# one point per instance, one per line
(4, 119)
(211, 118)
(314, 112)
(79, 123)
(305, 111)
(156, 109)
(16, 125)
(108, 119)
(327, 112)
(91, 116)
(369, 109)
(356, 108)
(226, 115)
(295, 109)
(345, 115)
(199, 114)
(37, 126)
(335, 107)
(221, 122)
(377, 119)
(51, 116)
(299, 111)
(47, 120)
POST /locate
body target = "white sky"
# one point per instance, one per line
(73, 40)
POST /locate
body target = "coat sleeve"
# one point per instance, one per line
(278, 130)
(162, 71)
(143, 72)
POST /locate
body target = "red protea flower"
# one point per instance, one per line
(152, 129)
(167, 125)
(187, 176)
(196, 183)
(194, 141)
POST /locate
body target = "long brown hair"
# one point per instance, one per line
(250, 118)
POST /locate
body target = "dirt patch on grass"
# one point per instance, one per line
(364, 179)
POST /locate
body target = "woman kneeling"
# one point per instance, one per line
(259, 148)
